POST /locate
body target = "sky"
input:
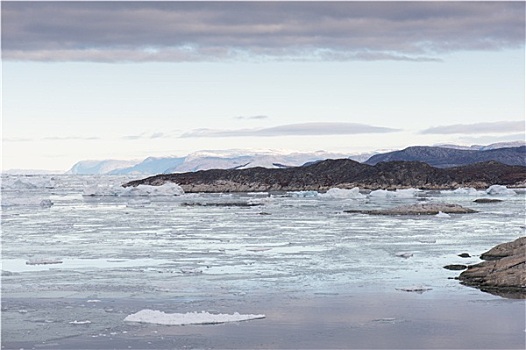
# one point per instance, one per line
(128, 80)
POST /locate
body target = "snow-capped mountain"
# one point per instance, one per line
(204, 160)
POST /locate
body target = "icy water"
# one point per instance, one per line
(74, 266)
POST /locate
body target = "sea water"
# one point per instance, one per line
(86, 238)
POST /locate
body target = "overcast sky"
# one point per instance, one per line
(127, 80)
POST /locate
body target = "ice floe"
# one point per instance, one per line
(341, 193)
(399, 193)
(462, 191)
(80, 322)
(189, 318)
(441, 214)
(500, 190)
(167, 189)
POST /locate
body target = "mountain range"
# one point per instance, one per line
(511, 153)
(450, 157)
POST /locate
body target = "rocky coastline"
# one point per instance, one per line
(502, 273)
(344, 173)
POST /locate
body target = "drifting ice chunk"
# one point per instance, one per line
(500, 190)
(304, 194)
(343, 193)
(159, 317)
(167, 189)
(80, 322)
(442, 215)
(463, 191)
(403, 193)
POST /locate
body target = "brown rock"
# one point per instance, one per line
(418, 209)
(504, 275)
(487, 200)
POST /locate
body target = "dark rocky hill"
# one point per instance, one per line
(450, 157)
(344, 173)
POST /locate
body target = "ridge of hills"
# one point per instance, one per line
(451, 157)
(344, 173)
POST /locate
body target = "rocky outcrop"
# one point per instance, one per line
(343, 173)
(503, 273)
(418, 209)
(442, 157)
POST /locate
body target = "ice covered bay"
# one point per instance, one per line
(227, 253)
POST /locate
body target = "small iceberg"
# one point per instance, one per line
(80, 322)
(398, 193)
(441, 214)
(189, 318)
(500, 190)
(166, 189)
(341, 193)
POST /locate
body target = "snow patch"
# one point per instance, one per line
(189, 318)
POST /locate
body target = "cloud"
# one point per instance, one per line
(304, 129)
(252, 117)
(211, 31)
(478, 128)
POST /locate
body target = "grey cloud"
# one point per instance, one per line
(197, 31)
(252, 117)
(144, 135)
(304, 129)
(478, 128)
(68, 138)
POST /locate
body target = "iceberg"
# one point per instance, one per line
(500, 190)
(341, 193)
(399, 193)
(441, 214)
(189, 318)
(462, 191)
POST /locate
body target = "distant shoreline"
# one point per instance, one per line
(344, 173)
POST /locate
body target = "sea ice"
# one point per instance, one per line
(80, 322)
(399, 193)
(167, 189)
(500, 190)
(462, 191)
(404, 255)
(177, 319)
(442, 215)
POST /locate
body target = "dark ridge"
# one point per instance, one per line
(451, 157)
(343, 173)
